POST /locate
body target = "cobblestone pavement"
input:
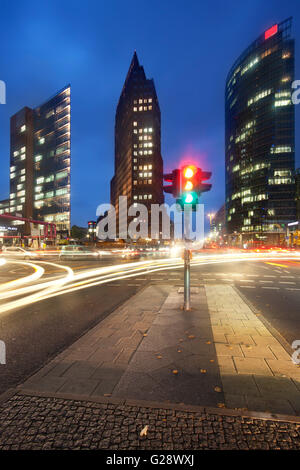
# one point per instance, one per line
(38, 423)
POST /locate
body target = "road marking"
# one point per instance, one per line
(275, 288)
(247, 280)
(286, 282)
(252, 275)
(266, 281)
(247, 287)
(288, 277)
(266, 275)
(277, 264)
(292, 288)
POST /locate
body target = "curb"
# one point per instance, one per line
(226, 412)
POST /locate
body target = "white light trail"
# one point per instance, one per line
(94, 277)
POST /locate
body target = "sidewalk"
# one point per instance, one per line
(214, 377)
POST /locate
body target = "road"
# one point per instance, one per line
(45, 306)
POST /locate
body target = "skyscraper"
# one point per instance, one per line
(260, 139)
(138, 162)
(40, 162)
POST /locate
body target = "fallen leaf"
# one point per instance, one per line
(144, 431)
(175, 371)
(212, 360)
(221, 405)
(203, 371)
(145, 334)
(218, 389)
(208, 342)
(179, 350)
(107, 395)
(191, 336)
(159, 357)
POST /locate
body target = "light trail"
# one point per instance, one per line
(38, 272)
(107, 274)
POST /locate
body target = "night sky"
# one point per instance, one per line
(188, 48)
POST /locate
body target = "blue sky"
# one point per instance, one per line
(188, 48)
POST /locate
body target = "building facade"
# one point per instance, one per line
(40, 163)
(138, 170)
(298, 194)
(260, 139)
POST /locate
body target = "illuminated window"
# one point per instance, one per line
(38, 158)
(282, 103)
(23, 149)
(23, 128)
(249, 65)
(281, 149)
(41, 140)
(259, 96)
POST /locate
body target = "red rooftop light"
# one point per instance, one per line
(271, 31)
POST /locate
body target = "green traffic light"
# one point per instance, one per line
(190, 198)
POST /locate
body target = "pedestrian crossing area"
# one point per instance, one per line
(268, 282)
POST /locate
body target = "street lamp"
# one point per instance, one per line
(211, 216)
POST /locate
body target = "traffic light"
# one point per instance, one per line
(187, 185)
(173, 188)
(191, 185)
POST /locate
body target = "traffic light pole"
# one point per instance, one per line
(186, 186)
(187, 263)
(187, 280)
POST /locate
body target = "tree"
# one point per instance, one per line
(78, 232)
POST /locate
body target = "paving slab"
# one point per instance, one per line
(220, 354)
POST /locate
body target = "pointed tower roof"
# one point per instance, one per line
(134, 66)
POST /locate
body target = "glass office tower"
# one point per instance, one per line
(51, 157)
(260, 139)
(40, 163)
(138, 162)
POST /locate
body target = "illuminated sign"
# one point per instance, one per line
(271, 31)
